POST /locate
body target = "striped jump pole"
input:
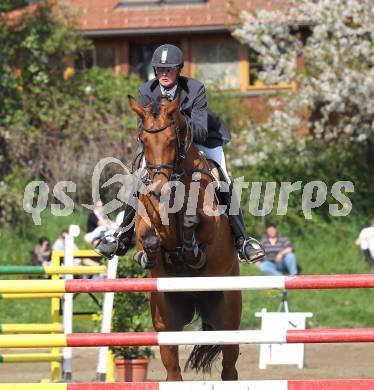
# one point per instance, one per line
(342, 384)
(31, 328)
(226, 283)
(357, 335)
(51, 270)
(30, 357)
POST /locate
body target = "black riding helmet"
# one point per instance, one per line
(167, 56)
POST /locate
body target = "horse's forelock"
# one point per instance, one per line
(156, 105)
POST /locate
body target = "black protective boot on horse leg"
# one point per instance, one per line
(249, 249)
(119, 242)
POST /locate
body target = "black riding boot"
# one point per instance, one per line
(249, 249)
(120, 242)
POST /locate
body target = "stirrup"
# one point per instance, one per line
(251, 251)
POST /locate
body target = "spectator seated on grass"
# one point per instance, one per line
(41, 253)
(279, 254)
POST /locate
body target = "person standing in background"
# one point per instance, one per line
(98, 224)
(366, 242)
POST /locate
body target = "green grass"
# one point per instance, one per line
(322, 248)
(16, 247)
(38, 311)
(328, 249)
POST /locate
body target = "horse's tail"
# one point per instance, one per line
(202, 357)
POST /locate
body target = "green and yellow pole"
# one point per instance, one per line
(52, 270)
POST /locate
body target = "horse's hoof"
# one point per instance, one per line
(112, 245)
(151, 244)
(107, 246)
(145, 262)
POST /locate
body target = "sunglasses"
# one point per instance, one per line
(166, 70)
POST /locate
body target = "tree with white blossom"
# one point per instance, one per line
(334, 43)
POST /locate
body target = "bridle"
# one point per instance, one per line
(181, 148)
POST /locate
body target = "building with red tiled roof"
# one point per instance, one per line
(126, 32)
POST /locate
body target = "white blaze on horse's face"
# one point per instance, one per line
(159, 138)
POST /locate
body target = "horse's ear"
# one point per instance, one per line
(135, 106)
(173, 106)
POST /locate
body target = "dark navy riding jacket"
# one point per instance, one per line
(207, 127)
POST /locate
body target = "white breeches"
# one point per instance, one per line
(216, 154)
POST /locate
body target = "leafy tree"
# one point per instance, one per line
(34, 51)
(55, 125)
(10, 5)
(335, 42)
(326, 49)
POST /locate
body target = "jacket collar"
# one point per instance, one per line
(182, 89)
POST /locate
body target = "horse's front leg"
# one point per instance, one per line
(148, 245)
(231, 317)
(193, 253)
(170, 359)
(170, 313)
(152, 249)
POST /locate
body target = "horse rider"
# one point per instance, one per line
(209, 134)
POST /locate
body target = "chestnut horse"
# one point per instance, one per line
(195, 243)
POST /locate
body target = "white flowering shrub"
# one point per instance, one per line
(334, 41)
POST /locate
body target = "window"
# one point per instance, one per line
(255, 67)
(103, 57)
(85, 60)
(140, 59)
(218, 63)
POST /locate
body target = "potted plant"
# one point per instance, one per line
(131, 314)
